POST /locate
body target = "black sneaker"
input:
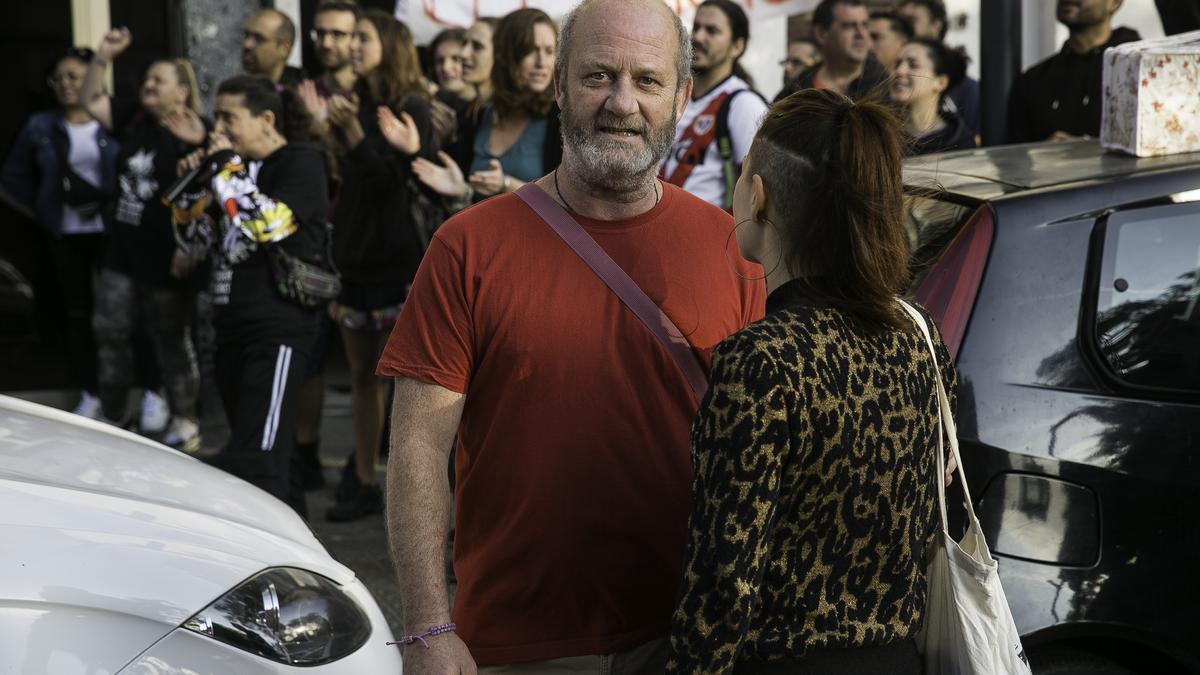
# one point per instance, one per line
(366, 501)
(349, 484)
(308, 463)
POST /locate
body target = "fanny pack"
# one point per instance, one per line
(304, 283)
(79, 193)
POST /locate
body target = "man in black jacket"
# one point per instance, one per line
(1179, 16)
(842, 29)
(1059, 98)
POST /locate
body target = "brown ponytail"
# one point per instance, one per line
(831, 168)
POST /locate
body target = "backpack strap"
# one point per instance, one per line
(731, 168)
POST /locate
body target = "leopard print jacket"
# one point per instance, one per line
(813, 495)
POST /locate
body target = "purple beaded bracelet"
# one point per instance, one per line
(433, 630)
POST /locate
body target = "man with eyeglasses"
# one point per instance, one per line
(802, 54)
(267, 40)
(333, 26)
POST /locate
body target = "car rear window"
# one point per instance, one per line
(931, 222)
(1147, 318)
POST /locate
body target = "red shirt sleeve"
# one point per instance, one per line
(432, 339)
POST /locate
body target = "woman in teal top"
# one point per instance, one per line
(522, 161)
(518, 138)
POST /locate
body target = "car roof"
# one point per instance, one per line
(987, 173)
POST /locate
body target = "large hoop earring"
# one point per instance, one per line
(733, 266)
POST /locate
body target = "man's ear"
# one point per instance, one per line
(269, 118)
(559, 92)
(818, 34)
(682, 97)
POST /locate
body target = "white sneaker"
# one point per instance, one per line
(155, 413)
(89, 407)
(183, 435)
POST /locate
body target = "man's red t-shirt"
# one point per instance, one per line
(573, 465)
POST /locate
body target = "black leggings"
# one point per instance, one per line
(76, 259)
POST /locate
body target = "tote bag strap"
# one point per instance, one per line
(625, 288)
(946, 426)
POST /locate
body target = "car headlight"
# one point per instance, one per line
(287, 615)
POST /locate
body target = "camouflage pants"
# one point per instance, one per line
(120, 302)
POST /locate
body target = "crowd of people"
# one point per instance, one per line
(609, 514)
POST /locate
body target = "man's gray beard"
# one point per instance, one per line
(611, 165)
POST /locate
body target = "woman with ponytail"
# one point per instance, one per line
(814, 492)
(251, 224)
(925, 70)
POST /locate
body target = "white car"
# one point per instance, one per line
(120, 555)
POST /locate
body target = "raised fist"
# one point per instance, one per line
(113, 43)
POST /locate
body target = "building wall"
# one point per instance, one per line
(214, 40)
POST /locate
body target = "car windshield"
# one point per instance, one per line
(931, 221)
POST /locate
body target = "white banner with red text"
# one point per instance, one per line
(426, 17)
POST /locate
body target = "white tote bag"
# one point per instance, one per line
(968, 629)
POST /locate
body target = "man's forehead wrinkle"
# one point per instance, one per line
(616, 59)
(618, 51)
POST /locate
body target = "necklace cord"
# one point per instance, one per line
(561, 198)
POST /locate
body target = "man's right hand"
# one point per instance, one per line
(1060, 136)
(113, 43)
(447, 655)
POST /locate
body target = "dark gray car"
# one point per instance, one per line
(1066, 282)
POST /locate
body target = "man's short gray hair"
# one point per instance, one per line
(566, 33)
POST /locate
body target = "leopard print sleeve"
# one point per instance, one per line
(741, 444)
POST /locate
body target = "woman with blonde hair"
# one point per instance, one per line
(375, 244)
(155, 132)
(815, 485)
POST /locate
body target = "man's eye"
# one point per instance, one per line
(598, 77)
(648, 81)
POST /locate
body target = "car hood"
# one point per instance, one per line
(99, 518)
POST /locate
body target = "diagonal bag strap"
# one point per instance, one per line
(651, 315)
(946, 419)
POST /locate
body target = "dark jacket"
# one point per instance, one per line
(1062, 93)
(872, 76)
(33, 172)
(956, 135)
(374, 241)
(964, 99)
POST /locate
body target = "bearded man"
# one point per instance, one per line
(714, 133)
(572, 421)
(1061, 98)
